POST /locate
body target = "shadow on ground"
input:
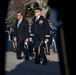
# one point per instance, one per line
(30, 68)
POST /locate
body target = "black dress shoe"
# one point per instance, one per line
(26, 58)
(44, 62)
(20, 58)
(37, 62)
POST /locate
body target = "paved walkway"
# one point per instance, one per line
(22, 67)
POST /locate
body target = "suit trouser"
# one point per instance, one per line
(20, 49)
(30, 45)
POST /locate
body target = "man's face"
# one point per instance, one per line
(19, 16)
(37, 13)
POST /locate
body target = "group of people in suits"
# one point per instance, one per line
(40, 33)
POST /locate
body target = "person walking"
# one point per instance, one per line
(21, 35)
(40, 33)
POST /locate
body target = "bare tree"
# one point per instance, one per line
(14, 6)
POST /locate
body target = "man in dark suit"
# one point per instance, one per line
(40, 33)
(21, 35)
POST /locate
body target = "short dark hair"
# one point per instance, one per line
(20, 12)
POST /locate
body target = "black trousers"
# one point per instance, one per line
(30, 45)
(20, 49)
(41, 55)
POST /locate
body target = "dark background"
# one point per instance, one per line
(3, 11)
(66, 13)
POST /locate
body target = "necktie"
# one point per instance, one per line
(18, 23)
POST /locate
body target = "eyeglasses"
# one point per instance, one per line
(18, 15)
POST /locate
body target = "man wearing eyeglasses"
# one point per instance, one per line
(21, 34)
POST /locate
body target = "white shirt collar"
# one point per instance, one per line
(38, 17)
(20, 20)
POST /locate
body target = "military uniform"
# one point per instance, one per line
(39, 32)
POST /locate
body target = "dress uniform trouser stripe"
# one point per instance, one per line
(39, 48)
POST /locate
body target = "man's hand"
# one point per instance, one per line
(31, 40)
(15, 39)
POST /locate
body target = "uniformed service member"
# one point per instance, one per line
(40, 33)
